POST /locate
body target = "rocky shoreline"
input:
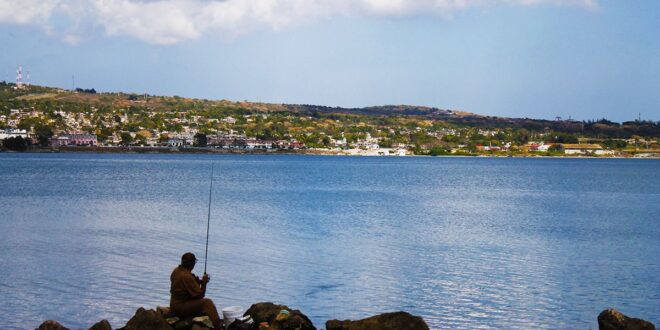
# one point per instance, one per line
(269, 316)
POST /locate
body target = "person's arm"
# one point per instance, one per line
(205, 279)
(195, 289)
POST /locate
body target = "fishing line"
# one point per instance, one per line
(208, 221)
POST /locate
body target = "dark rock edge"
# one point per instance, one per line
(608, 319)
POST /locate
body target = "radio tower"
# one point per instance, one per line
(27, 80)
(19, 76)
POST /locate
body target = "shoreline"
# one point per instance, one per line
(268, 315)
(217, 151)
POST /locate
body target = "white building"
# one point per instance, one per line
(176, 142)
(229, 120)
(258, 144)
(368, 143)
(544, 147)
(10, 133)
(581, 149)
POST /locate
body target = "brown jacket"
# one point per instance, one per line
(185, 286)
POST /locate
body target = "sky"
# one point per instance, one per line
(579, 59)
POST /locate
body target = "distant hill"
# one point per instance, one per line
(48, 96)
(461, 118)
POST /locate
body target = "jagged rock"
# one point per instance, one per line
(267, 312)
(387, 321)
(612, 319)
(51, 325)
(147, 320)
(101, 325)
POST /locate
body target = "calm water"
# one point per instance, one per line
(467, 243)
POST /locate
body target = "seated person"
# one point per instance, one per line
(187, 292)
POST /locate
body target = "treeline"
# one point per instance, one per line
(88, 91)
(602, 128)
(17, 143)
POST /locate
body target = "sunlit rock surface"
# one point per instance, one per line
(612, 319)
(387, 321)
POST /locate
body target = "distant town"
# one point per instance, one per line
(51, 119)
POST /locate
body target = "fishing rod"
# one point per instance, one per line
(208, 221)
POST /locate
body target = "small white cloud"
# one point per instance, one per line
(71, 39)
(172, 21)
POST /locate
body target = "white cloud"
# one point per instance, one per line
(26, 12)
(159, 22)
(173, 21)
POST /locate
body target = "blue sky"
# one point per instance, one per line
(586, 59)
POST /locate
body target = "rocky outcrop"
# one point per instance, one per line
(101, 325)
(278, 317)
(190, 323)
(54, 325)
(281, 317)
(612, 319)
(292, 319)
(51, 325)
(147, 319)
(387, 321)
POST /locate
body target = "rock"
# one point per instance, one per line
(204, 321)
(101, 325)
(267, 312)
(51, 325)
(147, 320)
(172, 320)
(164, 311)
(190, 323)
(387, 321)
(183, 324)
(612, 319)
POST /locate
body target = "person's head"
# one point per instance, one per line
(188, 260)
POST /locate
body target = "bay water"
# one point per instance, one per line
(466, 243)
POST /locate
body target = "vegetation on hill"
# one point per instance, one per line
(134, 118)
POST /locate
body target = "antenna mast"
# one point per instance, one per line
(19, 76)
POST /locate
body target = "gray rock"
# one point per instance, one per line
(612, 319)
(147, 320)
(387, 321)
(51, 325)
(101, 325)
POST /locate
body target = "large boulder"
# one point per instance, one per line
(612, 319)
(51, 325)
(101, 325)
(387, 321)
(268, 312)
(147, 320)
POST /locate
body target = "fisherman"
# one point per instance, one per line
(188, 292)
